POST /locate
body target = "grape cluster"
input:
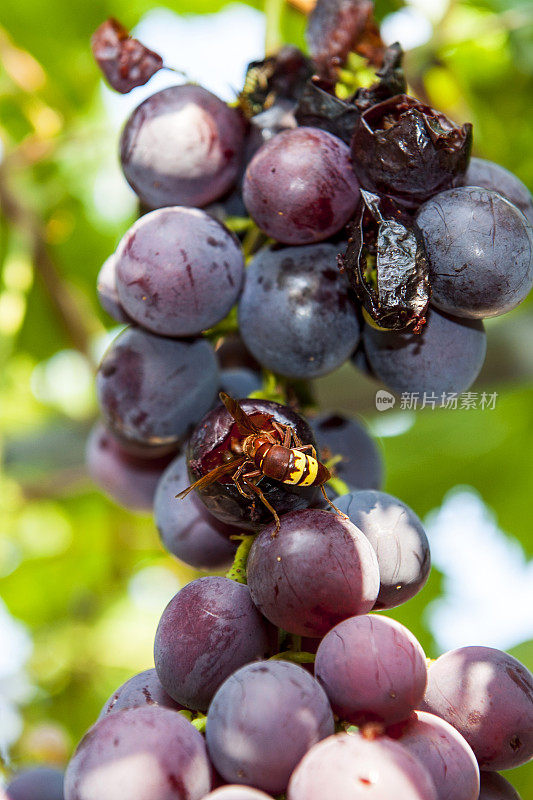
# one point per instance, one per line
(368, 234)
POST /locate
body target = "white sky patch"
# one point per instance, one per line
(15, 688)
(212, 49)
(488, 582)
(408, 26)
(152, 588)
(392, 423)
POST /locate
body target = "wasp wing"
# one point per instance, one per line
(213, 475)
(246, 425)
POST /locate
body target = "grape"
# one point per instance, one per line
(237, 793)
(488, 696)
(361, 466)
(208, 630)
(129, 480)
(140, 753)
(182, 146)
(261, 722)
(489, 175)
(445, 358)
(178, 271)
(240, 382)
(300, 186)
(350, 767)
(495, 787)
(38, 783)
(480, 250)
(400, 542)
(106, 287)
(317, 571)
(187, 529)
(142, 690)
(372, 669)
(295, 314)
(209, 447)
(153, 390)
(443, 751)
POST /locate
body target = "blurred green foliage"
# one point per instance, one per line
(67, 554)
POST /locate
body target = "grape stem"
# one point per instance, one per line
(296, 657)
(237, 571)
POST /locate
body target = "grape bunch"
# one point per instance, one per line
(277, 239)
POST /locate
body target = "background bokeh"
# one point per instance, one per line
(83, 582)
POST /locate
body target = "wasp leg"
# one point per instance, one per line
(308, 447)
(337, 510)
(257, 490)
(236, 480)
(284, 431)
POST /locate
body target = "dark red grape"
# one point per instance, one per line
(140, 753)
(129, 480)
(207, 631)
(300, 186)
(106, 287)
(261, 722)
(372, 669)
(140, 691)
(296, 315)
(235, 792)
(38, 783)
(445, 358)
(361, 466)
(489, 175)
(400, 542)
(443, 751)
(209, 447)
(182, 146)
(480, 250)
(178, 271)
(495, 787)
(187, 529)
(318, 570)
(488, 696)
(152, 390)
(350, 767)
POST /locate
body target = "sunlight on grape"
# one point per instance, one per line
(66, 382)
(484, 569)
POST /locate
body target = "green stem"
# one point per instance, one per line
(296, 658)
(237, 571)
(274, 14)
(339, 486)
(199, 723)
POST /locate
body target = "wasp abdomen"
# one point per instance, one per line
(273, 460)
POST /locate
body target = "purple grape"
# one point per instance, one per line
(240, 382)
(106, 287)
(178, 271)
(361, 466)
(140, 691)
(187, 529)
(300, 186)
(350, 767)
(296, 315)
(209, 447)
(495, 787)
(182, 146)
(261, 722)
(208, 630)
(443, 751)
(480, 250)
(140, 753)
(318, 570)
(489, 175)
(128, 480)
(487, 695)
(235, 792)
(38, 783)
(152, 390)
(445, 358)
(372, 669)
(400, 542)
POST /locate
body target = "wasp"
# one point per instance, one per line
(265, 448)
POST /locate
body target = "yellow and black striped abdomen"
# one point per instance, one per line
(303, 470)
